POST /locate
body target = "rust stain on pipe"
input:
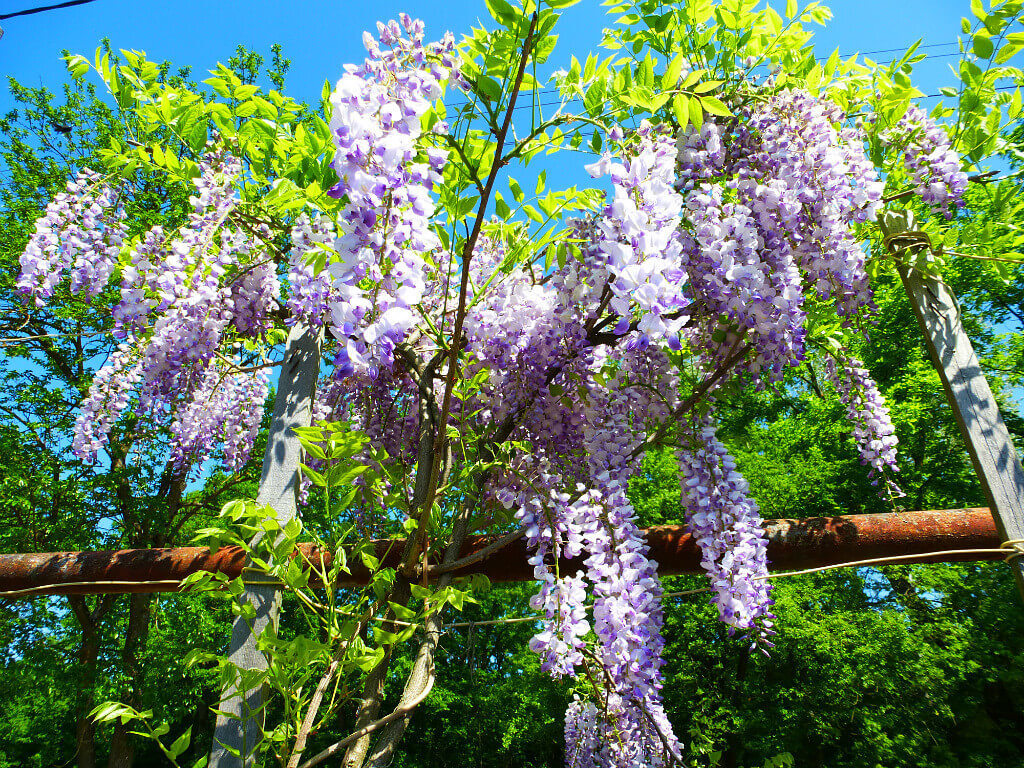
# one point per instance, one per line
(792, 544)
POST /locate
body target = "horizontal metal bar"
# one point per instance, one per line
(792, 544)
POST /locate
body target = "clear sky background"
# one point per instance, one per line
(319, 36)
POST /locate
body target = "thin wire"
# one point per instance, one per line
(23, 339)
(40, 9)
(573, 99)
(554, 89)
(1016, 545)
(68, 584)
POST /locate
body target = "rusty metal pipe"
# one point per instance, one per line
(792, 544)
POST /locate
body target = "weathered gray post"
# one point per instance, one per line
(988, 442)
(241, 731)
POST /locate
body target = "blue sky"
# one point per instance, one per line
(321, 35)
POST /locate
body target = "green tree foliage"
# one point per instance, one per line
(63, 655)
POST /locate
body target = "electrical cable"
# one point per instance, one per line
(40, 9)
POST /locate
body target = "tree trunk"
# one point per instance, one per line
(122, 748)
(85, 730)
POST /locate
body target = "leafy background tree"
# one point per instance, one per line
(88, 648)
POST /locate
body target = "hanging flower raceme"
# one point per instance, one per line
(873, 430)
(727, 526)
(736, 277)
(225, 409)
(386, 180)
(700, 154)
(109, 396)
(254, 287)
(81, 230)
(933, 165)
(311, 291)
(179, 298)
(808, 182)
(640, 239)
(195, 305)
(598, 522)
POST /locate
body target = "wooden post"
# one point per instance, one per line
(239, 726)
(988, 442)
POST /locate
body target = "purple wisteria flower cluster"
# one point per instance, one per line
(310, 294)
(933, 165)
(726, 523)
(640, 240)
(702, 263)
(385, 180)
(182, 298)
(82, 230)
(873, 430)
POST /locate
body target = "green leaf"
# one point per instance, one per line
(180, 744)
(1015, 105)
(672, 72)
(77, 65)
(517, 191)
(696, 113)
(489, 87)
(501, 11)
(501, 207)
(982, 45)
(420, 592)
(791, 8)
(318, 479)
(707, 86)
(681, 106)
(559, 4)
(714, 106)
(1007, 52)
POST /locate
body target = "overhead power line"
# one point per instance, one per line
(40, 9)
(552, 90)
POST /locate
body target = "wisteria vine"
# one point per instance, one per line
(701, 264)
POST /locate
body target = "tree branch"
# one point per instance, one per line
(467, 256)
